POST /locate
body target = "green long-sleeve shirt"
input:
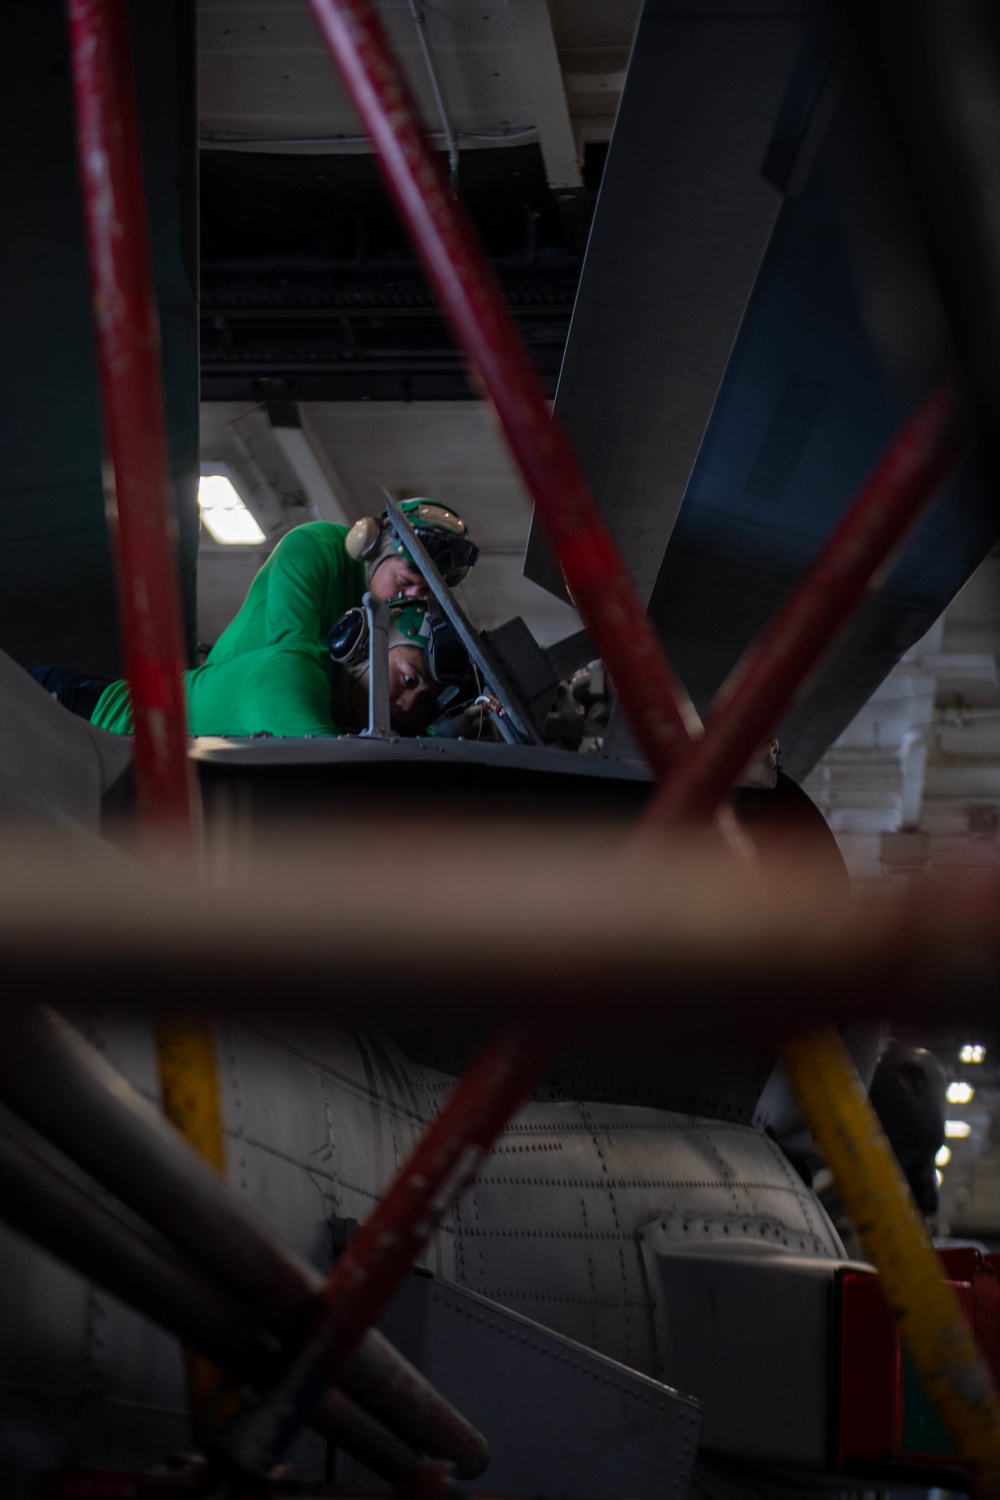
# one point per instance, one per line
(269, 671)
(279, 690)
(299, 594)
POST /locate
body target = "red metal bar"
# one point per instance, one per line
(659, 711)
(132, 400)
(756, 694)
(365, 1277)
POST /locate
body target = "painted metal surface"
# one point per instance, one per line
(803, 414)
(564, 1420)
(65, 1217)
(757, 694)
(918, 62)
(58, 601)
(317, 1121)
(132, 404)
(58, 1080)
(378, 667)
(804, 395)
(189, 1083)
(681, 226)
(443, 1164)
(751, 1333)
(190, 1099)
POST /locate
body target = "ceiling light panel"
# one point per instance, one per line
(224, 515)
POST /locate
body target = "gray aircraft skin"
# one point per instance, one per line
(564, 1225)
(605, 1182)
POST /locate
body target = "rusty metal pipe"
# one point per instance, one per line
(757, 952)
(66, 1218)
(51, 1077)
(128, 342)
(39, 1201)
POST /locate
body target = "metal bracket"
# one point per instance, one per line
(379, 616)
(515, 724)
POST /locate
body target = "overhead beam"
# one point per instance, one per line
(533, 28)
(298, 445)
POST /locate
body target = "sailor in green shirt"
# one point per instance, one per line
(315, 574)
(296, 689)
(319, 571)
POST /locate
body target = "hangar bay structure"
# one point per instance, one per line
(597, 1268)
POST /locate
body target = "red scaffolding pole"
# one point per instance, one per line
(132, 404)
(753, 699)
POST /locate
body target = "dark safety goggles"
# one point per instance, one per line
(452, 555)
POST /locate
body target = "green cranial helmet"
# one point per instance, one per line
(410, 624)
(443, 533)
(413, 622)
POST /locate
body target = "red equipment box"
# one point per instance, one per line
(885, 1417)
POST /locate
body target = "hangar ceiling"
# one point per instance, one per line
(505, 69)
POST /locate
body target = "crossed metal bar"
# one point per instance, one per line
(696, 770)
(128, 344)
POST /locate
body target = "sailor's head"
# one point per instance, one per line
(391, 571)
(424, 657)
(413, 693)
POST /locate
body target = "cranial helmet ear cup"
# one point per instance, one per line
(363, 538)
(348, 640)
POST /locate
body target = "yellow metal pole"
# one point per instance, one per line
(188, 1064)
(877, 1199)
(189, 1083)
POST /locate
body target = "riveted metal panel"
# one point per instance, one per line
(749, 1328)
(317, 1120)
(561, 1420)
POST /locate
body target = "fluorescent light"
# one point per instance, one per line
(939, 1178)
(957, 1130)
(960, 1093)
(944, 1156)
(972, 1052)
(225, 516)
